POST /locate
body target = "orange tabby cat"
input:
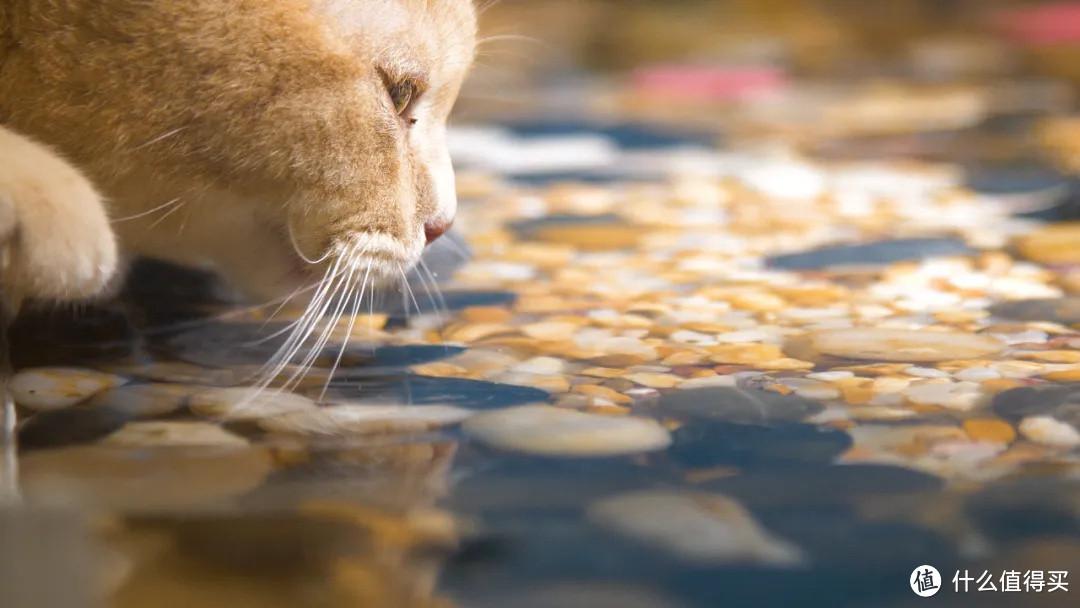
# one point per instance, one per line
(268, 139)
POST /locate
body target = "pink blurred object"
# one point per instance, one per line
(1042, 25)
(708, 83)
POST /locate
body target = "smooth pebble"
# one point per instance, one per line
(160, 433)
(744, 406)
(358, 419)
(1049, 431)
(244, 403)
(546, 430)
(147, 400)
(699, 527)
(52, 388)
(902, 345)
(953, 395)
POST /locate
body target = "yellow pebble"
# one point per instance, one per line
(990, 429)
(997, 385)
(1052, 356)
(857, 395)
(684, 358)
(440, 369)
(1064, 375)
(654, 380)
(784, 363)
(745, 353)
(601, 392)
(477, 331)
(550, 331)
(602, 372)
(485, 314)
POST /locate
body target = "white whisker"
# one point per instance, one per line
(348, 332)
(457, 248)
(302, 329)
(434, 286)
(147, 212)
(342, 295)
(159, 138)
(165, 216)
(296, 247)
(408, 290)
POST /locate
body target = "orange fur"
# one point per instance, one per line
(255, 120)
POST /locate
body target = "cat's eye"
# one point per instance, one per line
(401, 95)
(404, 92)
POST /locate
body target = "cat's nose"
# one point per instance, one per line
(435, 229)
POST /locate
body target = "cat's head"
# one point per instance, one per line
(267, 138)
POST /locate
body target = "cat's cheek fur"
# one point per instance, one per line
(54, 232)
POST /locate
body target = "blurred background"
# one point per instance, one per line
(800, 70)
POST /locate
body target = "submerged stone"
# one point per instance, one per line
(701, 444)
(428, 390)
(75, 425)
(913, 346)
(147, 400)
(160, 433)
(364, 419)
(877, 254)
(141, 478)
(551, 431)
(52, 388)
(1055, 310)
(229, 345)
(743, 406)
(1058, 401)
(812, 485)
(698, 527)
(245, 403)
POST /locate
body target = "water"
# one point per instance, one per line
(704, 448)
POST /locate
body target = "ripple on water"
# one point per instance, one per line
(238, 344)
(712, 443)
(742, 406)
(879, 253)
(428, 390)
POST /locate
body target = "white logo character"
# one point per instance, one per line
(925, 581)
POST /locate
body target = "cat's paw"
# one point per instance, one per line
(55, 238)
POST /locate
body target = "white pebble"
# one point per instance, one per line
(709, 381)
(546, 430)
(1031, 336)
(1049, 431)
(246, 403)
(830, 376)
(540, 365)
(743, 336)
(164, 433)
(977, 373)
(820, 393)
(705, 528)
(878, 344)
(53, 388)
(953, 395)
(692, 337)
(925, 372)
(359, 419)
(886, 400)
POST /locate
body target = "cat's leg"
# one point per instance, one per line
(55, 239)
